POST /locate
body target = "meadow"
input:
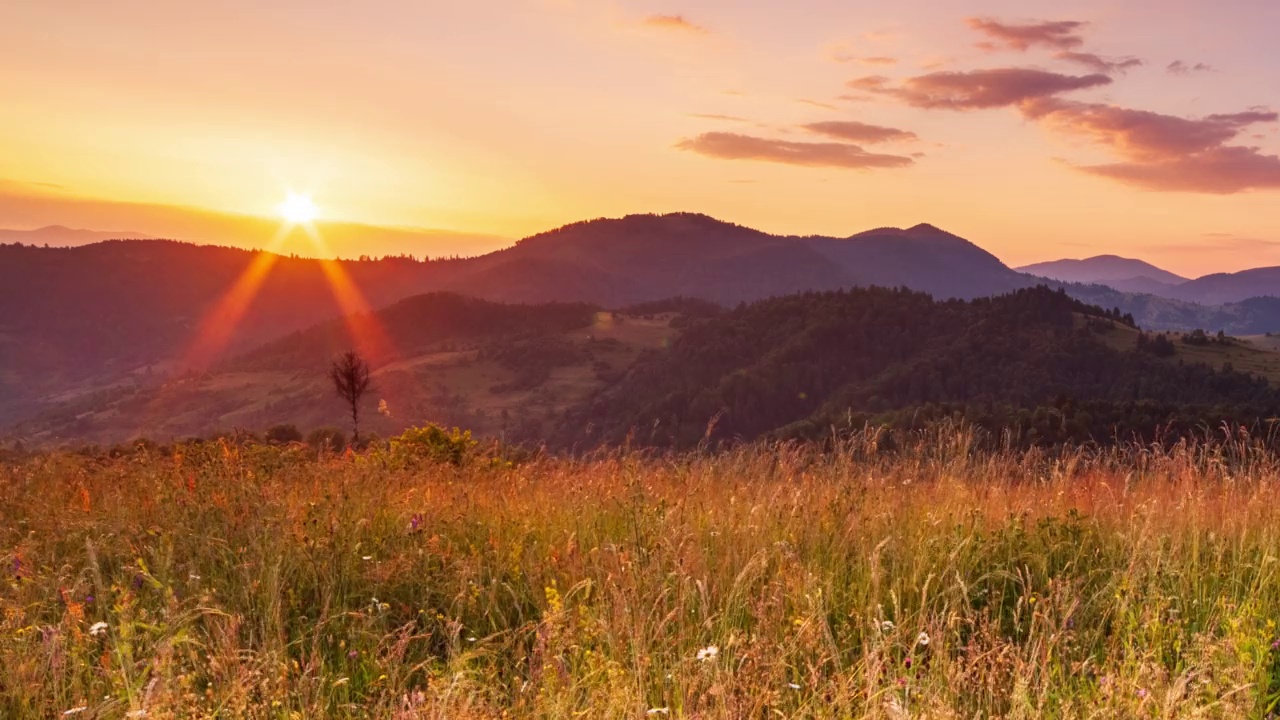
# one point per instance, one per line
(930, 577)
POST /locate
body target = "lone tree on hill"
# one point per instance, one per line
(350, 375)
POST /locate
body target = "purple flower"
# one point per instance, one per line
(353, 654)
(1275, 644)
(1142, 692)
(88, 599)
(415, 522)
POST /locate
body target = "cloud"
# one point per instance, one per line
(1061, 35)
(1142, 135)
(817, 104)
(859, 132)
(716, 116)
(1165, 152)
(878, 60)
(978, 89)
(1177, 67)
(676, 23)
(732, 146)
(1100, 64)
(1220, 171)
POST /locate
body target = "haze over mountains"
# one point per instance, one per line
(76, 320)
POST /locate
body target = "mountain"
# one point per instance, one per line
(922, 258)
(1232, 287)
(1036, 363)
(639, 258)
(76, 320)
(1105, 270)
(68, 313)
(60, 236)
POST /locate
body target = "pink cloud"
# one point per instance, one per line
(732, 146)
(674, 22)
(1178, 67)
(1221, 171)
(1165, 152)
(1100, 64)
(859, 132)
(978, 89)
(1142, 135)
(1061, 35)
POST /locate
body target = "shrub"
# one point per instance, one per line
(283, 434)
(329, 437)
(432, 444)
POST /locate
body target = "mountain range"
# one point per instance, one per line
(74, 320)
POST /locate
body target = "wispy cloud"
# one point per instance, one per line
(854, 131)
(1178, 67)
(1100, 64)
(732, 146)
(1060, 35)
(717, 116)
(817, 104)
(978, 89)
(677, 23)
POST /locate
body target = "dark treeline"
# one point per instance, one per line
(1031, 363)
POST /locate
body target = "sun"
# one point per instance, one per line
(298, 209)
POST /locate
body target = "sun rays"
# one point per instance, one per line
(217, 328)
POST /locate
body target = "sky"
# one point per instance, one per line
(1036, 129)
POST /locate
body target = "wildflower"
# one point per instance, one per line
(383, 409)
(353, 654)
(793, 686)
(366, 558)
(75, 710)
(658, 711)
(471, 639)
(1142, 692)
(1275, 644)
(708, 653)
(886, 627)
(907, 663)
(922, 639)
(415, 522)
(136, 714)
(98, 628)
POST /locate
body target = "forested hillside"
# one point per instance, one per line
(1034, 362)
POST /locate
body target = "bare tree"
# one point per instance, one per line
(350, 375)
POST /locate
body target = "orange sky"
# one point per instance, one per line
(1035, 131)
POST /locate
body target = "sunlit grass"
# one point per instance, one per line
(937, 580)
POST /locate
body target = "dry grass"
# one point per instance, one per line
(935, 581)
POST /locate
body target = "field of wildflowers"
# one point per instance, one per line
(935, 580)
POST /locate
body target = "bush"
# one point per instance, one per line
(327, 437)
(284, 434)
(432, 444)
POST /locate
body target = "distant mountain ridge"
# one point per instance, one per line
(82, 316)
(60, 235)
(1104, 269)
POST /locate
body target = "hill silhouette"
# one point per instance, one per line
(1106, 270)
(76, 319)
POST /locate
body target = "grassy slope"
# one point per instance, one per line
(261, 583)
(448, 384)
(1251, 354)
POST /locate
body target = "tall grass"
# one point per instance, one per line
(938, 580)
